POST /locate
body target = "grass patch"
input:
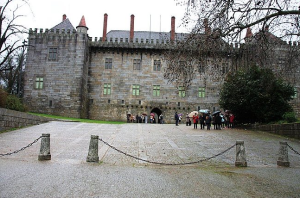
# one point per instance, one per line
(77, 119)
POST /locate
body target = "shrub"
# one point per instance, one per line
(290, 117)
(3, 98)
(14, 103)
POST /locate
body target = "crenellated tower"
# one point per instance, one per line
(56, 70)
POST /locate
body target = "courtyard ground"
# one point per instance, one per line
(68, 174)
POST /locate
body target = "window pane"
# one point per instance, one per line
(136, 64)
(108, 63)
(157, 65)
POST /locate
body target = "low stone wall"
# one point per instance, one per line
(288, 130)
(15, 119)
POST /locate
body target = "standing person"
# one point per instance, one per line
(208, 121)
(231, 121)
(195, 120)
(161, 119)
(202, 119)
(218, 121)
(176, 118)
(187, 121)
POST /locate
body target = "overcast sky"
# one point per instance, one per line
(48, 13)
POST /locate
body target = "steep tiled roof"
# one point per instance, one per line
(82, 22)
(66, 24)
(143, 35)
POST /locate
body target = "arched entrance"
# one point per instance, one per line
(157, 112)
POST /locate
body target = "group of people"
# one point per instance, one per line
(144, 118)
(218, 120)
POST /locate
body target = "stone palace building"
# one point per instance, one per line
(120, 74)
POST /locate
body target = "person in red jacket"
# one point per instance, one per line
(195, 120)
(231, 120)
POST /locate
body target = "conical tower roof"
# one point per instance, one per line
(82, 23)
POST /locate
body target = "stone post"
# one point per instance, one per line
(93, 149)
(240, 154)
(283, 158)
(45, 148)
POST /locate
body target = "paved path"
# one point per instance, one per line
(69, 175)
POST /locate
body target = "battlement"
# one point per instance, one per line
(51, 31)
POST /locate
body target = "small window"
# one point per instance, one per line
(39, 83)
(295, 93)
(135, 90)
(156, 65)
(50, 103)
(181, 90)
(108, 101)
(156, 90)
(182, 63)
(201, 67)
(136, 64)
(201, 92)
(107, 89)
(178, 104)
(123, 101)
(52, 55)
(108, 63)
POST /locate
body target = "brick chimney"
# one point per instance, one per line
(172, 28)
(132, 28)
(64, 17)
(104, 27)
(206, 26)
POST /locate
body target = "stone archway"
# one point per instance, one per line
(157, 112)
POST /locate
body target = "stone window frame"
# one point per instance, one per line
(108, 63)
(156, 65)
(39, 82)
(107, 89)
(136, 90)
(201, 67)
(137, 64)
(156, 90)
(181, 91)
(201, 92)
(53, 54)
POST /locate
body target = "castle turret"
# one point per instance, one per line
(249, 35)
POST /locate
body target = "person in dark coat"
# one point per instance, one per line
(208, 121)
(176, 118)
(202, 119)
(218, 121)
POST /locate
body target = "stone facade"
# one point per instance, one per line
(109, 78)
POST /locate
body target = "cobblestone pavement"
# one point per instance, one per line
(117, 175)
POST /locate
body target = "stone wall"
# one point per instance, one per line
(15, 119)
(288, 130)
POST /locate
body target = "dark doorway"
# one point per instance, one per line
(157, 112)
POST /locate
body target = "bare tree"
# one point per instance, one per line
(216, 24)
(231, 17)
(10, 32)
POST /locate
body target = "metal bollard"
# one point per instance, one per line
(93, 149)
(283, 158)
(240, 154)
(45, 148)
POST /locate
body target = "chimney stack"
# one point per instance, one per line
(172, 28)
(206, 26)
(64, 17)
(132, 28)
(104, 27)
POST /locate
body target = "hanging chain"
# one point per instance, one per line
(25, 147)
(170, 164)
(293, 150)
